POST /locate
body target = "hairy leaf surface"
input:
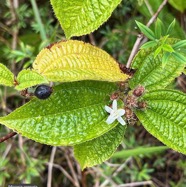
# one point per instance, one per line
(98, 150)
(69, 61)
(165, 117)
(79, 17)
(6, 76)
(150, 72)
(74, 113)
(28, 78)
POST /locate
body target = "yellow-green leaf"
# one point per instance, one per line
(79, 17)
(73, 60)
(28, 78)
(6, 76)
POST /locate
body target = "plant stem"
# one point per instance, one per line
(141, 36)
(4, 138)
(50, 166)
(38, 19)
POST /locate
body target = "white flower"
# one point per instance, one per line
(115, 113)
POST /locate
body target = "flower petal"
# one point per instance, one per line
(108, 109)
(114, 105)
(110, 120)
(121, 121)
(121, 112)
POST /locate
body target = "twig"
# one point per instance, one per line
(120, 168)
(137, 184)
(71, 168)
(92, 39)
(13, 12)
(22, 152)
(157, 182)
(13, 6)
(63, 171)
(149, 7)
(6, 151)
(97, 170)
(83, 181)
(6, 137)
(141, 36)
(50, 166)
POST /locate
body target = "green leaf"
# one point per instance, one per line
(146, 31)
(179, 57)
(157, 51)
(150, 73)
(158, 28)
(166, 16)
(100, 149)
(167, 48)
(73, 114)
(79, 17)
(139, 151)
(178, 4)
(165, 117)
(73, 60)
(171, 27)
(28, 78)
(6, 76)
(179, 44)
(148, 44)
(165, 59)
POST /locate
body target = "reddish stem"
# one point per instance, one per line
(4, 138)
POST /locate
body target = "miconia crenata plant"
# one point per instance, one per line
(81, 97)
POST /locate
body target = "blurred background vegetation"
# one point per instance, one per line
(146, 162)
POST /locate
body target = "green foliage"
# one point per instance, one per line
(6, 76)
(3, 173)
(139, 151)
(23, 12)
(82, 17)
(146, 31)
(73, 60)
(28, 78)
(33, 169)
(158, 28)
(38, 19)
(166, 15)
(179, 45)
(159, 38)
(25, 52)
(150, 72)
(178, 4)
(170, 27)
(100, 149)
(165, 117)
(140, 174)
(73, 114)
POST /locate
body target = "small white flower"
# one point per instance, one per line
(115, 113)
